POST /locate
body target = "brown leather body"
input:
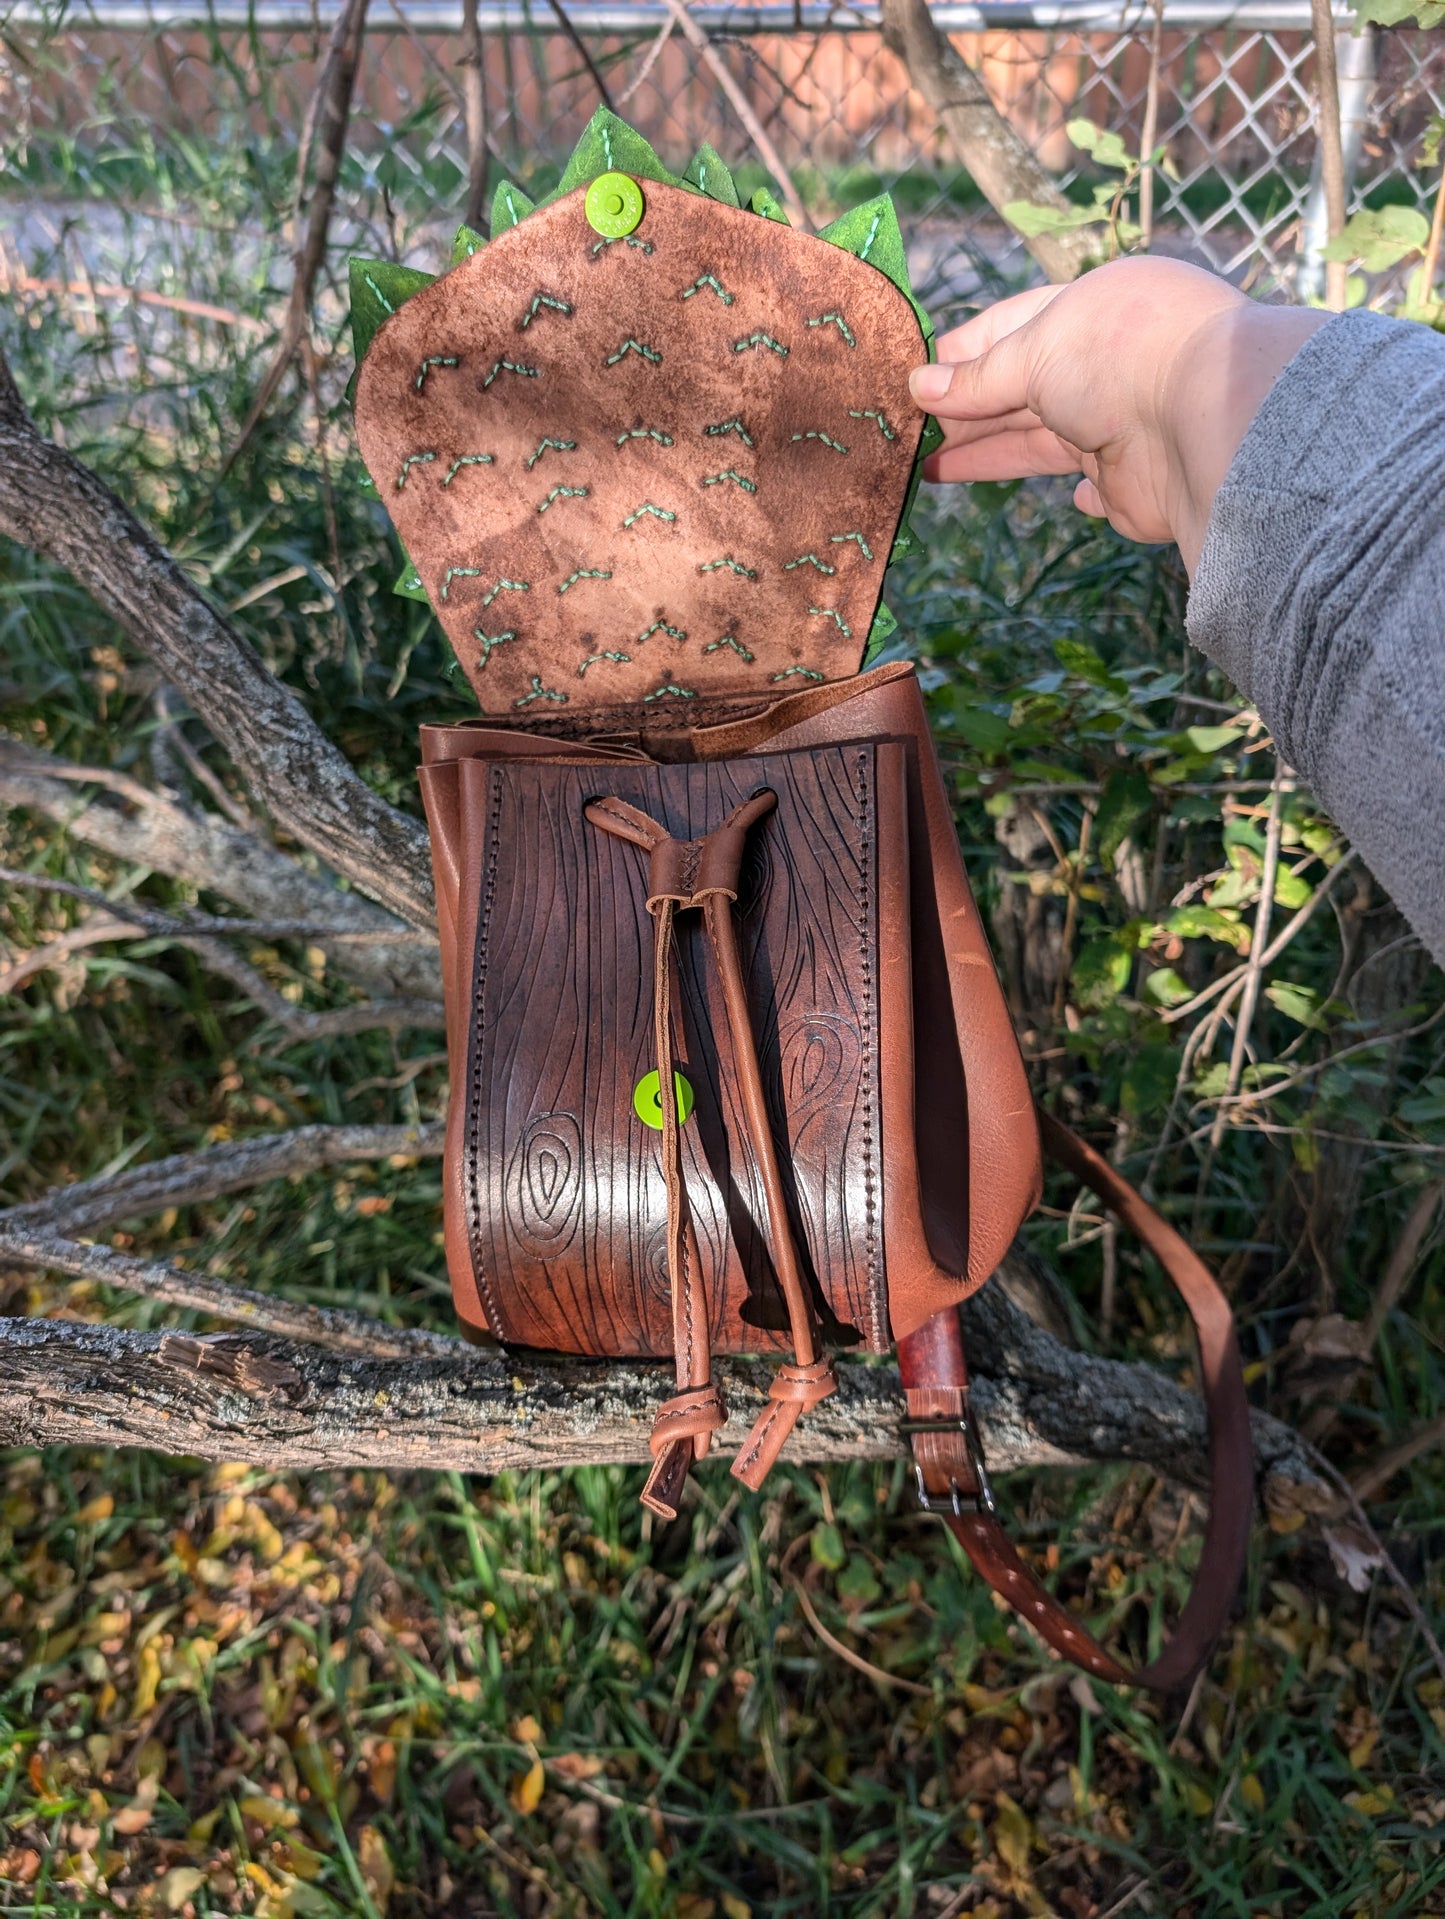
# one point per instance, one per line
(892, 1075)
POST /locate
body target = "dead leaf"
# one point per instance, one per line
(1354, 1555)
(527, 1787)
(132, 1819)
(178, 1885)
(376, 1867)
(576, 1765)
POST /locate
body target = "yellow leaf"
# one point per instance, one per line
(268, 1812)
(736, 1908)
(1013, 1835)
(527, 1732)
(1371, 1804)
(178, 1885)
(199, 1832)
(1252, 1792)
(150, 1763)
(96, 1509)
(375, 1863)
(1285, 1522)
(1361, 1750)
(527, 1787)
(1198, 1800)
(382, 1774)
(657, 1864)
(301, 1860)
(132, 1819)
(148, 1677)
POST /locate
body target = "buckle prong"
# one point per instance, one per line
(981, 1501)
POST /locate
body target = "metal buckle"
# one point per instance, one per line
(981, 1501)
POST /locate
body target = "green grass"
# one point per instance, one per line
(278, 1694)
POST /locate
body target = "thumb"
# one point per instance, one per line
(994, 384)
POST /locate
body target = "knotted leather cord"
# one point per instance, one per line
(935, 1380)
(703, 874)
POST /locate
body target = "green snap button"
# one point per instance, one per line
(646, 1098)
(614, 205)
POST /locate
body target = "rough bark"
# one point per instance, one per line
(1002, 165)
(151, 829)
(251, 1397)
(53, 504)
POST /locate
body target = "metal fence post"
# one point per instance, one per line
(1355, 60)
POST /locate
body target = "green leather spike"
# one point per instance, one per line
(467, 242)
(378, 288)
(709, 174)
(510, 206)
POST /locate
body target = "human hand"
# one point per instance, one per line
(1143, 375)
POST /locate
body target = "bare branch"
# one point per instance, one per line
(190, 1179)
(697, 38)
(1000, 161)
(481, 1410)
(53, 504)
(173, 1285)
(331, 107)
(159, 833)
(474, 113)
(565, 21)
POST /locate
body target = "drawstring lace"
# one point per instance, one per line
(702, 875)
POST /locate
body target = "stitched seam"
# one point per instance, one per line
(485, 1287)
(865, 907)
(747, 1459)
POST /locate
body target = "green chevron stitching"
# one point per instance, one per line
(647, 507)
(489, 640)
(629, 345)
(584, 573)
(840, 539)
(809, 559)
(433, 359)
(728, 640)
(562, 446)
(682, 692)
(507, 586)
(827, 439)
(788, 672)
(730, 473)
(562, 493)
(646, 245)
(509, 366)
(731, 426)
(661, 626)
(872, 413)
(707, 280)
(540, 692)
(411, 460)
(595, 658)
(467, 459)
(837, 320)
(759, 339)
(711, 566)
(645, 433)
(831, 613)
(539, 301)
(458, 573)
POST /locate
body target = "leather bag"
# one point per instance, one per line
(730, 1066)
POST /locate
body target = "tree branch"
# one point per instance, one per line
(53, 504)
(190, 1179)
(1001, 163)
(156, 831)
(465, 1409)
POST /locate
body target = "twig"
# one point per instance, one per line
(333, 116)
(1253, 971)
(54, 952)
(330, 1326)
(1431, 261)
(1380, 1471)
(222, 923)
(856, 1660)
(170, 738)
(142, 296)
(990, 147)
(664, 34)
(1332, 152)
(1276, 1087)
(565, 21)
(191, 1179)
(743, 108)
(53, 504)
(474, 112)
(1272, 952)
(395, 1015)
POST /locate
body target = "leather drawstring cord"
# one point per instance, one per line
(703, 875)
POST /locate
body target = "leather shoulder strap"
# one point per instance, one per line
(953, 1481)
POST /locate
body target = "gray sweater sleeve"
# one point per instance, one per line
(1321, 591)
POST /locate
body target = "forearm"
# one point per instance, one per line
(1320, 590)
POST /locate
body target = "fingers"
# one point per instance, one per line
(992, 385)
(986, 329)
(1024, 453)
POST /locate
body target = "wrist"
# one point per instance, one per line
(1217, 389)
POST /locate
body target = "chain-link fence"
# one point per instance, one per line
(93, 91)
